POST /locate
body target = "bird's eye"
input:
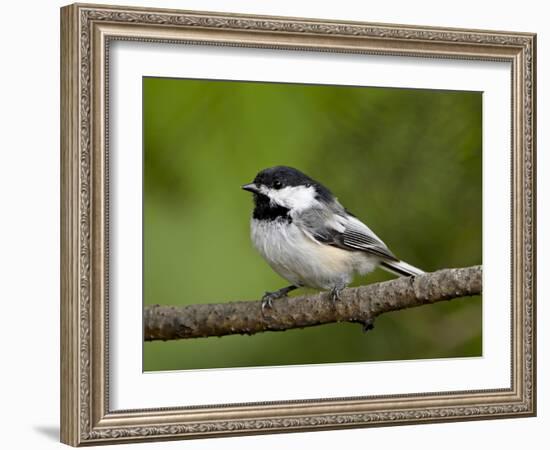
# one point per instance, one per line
(277, 184)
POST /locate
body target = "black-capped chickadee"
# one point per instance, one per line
(309, 238)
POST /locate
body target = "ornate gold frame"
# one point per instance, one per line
(86, 31)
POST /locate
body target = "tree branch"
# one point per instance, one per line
(361, 304)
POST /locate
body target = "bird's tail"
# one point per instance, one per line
(401, 268)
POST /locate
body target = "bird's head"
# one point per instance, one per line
(286, 187)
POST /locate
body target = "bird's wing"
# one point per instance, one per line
(337, 227)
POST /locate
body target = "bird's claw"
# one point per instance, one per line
(335, 294)
(267, 299)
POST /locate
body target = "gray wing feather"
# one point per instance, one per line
(335, 226)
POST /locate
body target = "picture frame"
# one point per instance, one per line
(87, 32)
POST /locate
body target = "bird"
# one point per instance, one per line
(307, 237)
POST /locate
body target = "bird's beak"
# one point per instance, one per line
(251, 187)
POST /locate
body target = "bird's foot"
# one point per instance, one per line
(335, 293)
(267, 299)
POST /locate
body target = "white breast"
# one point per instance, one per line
(304, 261)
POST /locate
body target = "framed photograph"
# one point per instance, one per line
(276, 224)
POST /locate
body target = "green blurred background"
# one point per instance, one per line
(407, 162)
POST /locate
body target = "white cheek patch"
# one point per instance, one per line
(292, 197)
